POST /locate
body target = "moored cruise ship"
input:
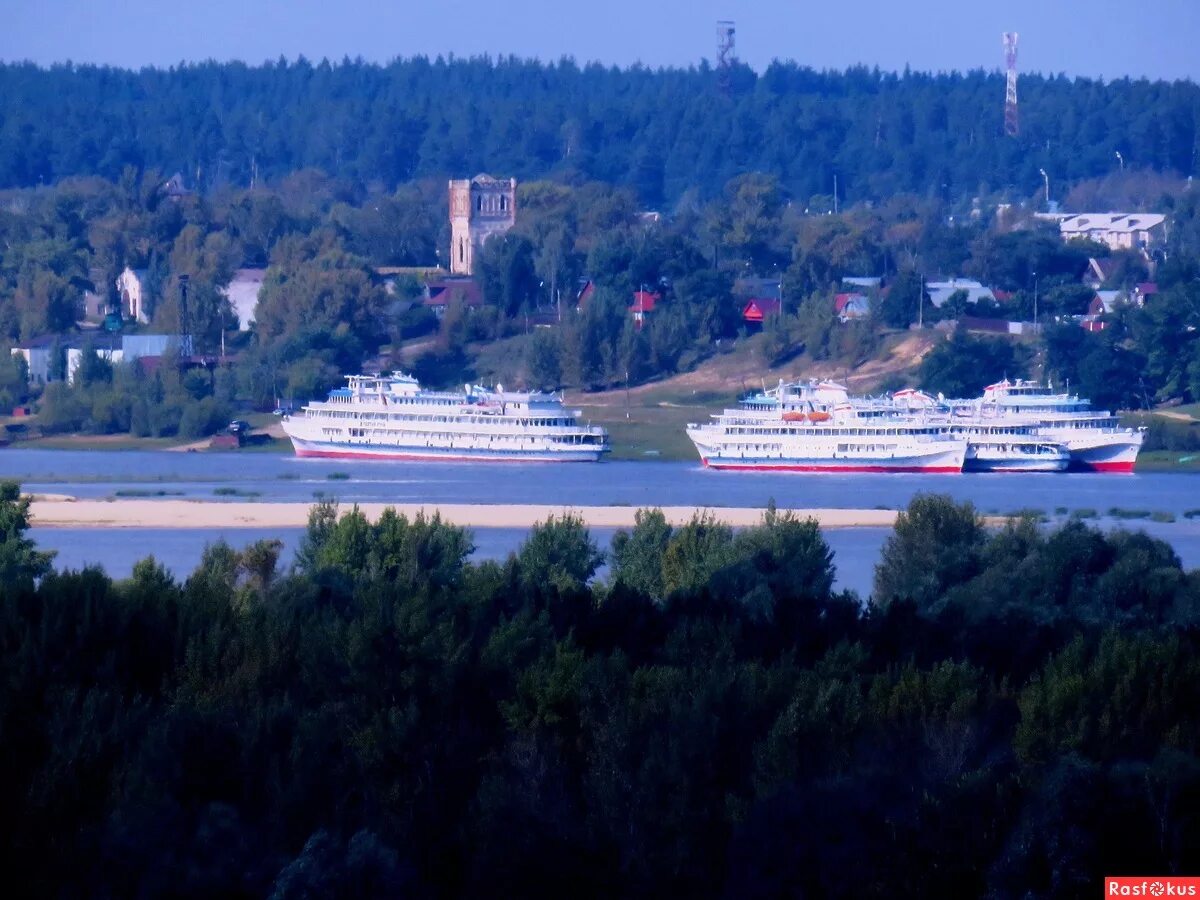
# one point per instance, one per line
(390, 417)
(992, 446)
(1096, 439)
(786, 430)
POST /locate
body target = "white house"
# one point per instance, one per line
(134, 294)
(75, 358)
(39, 357)
(39, 354)
(1120, 231)
(941, 291)
(242, 292)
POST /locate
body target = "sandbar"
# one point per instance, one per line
(60, 511)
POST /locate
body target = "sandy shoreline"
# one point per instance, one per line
(61, 511)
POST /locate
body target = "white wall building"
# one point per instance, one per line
(941, 291)
(131, 288)
(1119, 231)
(242, 292)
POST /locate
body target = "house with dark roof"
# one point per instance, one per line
(1142, 290)
(584, 293)
(441, 293)
(754, 286)
(174, 188)
(1098, 272)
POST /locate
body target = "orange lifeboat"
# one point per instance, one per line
(818, 417)
(795, 417)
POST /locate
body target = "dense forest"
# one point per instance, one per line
(662, 132)
(1015, 712)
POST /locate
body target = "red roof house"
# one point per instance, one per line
(851, 306)
(758, 308)
(643, 303)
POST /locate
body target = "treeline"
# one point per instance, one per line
(661, 132)
(1014, 713)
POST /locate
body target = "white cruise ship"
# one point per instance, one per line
(993, 445)
(805, 428)
(392, 417)
(1097, 440)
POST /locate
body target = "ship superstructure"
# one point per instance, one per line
(393, 417)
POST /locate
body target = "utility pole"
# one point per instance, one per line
(183, 308)
(1035, 303)
(835, 197)
(921, 305)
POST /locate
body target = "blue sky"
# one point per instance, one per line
(1105, 38)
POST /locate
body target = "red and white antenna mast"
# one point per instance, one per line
(1011, 124)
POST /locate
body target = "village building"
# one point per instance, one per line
(758, 309)
(442, 292)
(1118, 231)
(1098, 272)
(134, 292)
(52, 357)
(941, 291)
(851, 305)
(584, 292)
(753, 286)
(1102, 305)
(643, 304)
(242, 293)
(175, 189)
(480, 208)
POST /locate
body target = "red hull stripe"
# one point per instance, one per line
(413, 457)
(1125, 467)
(939, 470)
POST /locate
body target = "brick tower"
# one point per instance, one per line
(479, 208)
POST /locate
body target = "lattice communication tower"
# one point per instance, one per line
(725, 57)
(1012, 126)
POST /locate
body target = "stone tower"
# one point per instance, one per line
(479, 208)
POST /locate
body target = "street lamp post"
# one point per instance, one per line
(1121, 160)
(1046, 179)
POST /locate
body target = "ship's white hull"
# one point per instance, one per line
(328, 450)
(1100, 451)
(1015, 464)
(938, 457)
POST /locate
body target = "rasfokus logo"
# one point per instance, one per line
(1151, 886)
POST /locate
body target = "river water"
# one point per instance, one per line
(285, 478)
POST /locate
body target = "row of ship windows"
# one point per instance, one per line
(392, 436)
(414, 401)
(456, 420)
(831, 432)
(841, 448)
(1027, 449)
